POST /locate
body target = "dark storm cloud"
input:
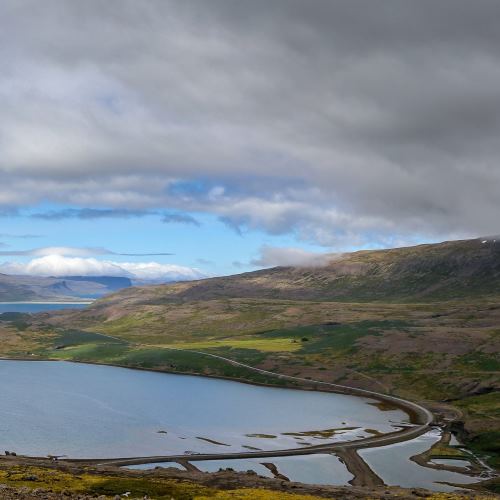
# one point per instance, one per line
(338, 121)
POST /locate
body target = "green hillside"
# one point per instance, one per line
(449, 270)
(420, 322)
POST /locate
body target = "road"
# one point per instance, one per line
(423, 417)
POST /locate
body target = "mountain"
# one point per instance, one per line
(418, 322)
(36, 288)
(111, 283)
(442, 271)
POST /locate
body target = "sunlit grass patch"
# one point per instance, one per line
(134, 487)
(255, 494)
(91, 352)
(456, 496)
(445, 451)
(258, 344)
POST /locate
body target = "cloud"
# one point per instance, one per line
(74, 252)
(7, 211)
(90, 214)
(153, 271)
(20, 236)
(179, 219)
(58, 265)
(337, 122)
(45, 251)
(295, 257)
(114, 213)
(157, 254)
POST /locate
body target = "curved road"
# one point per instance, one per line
(423, 416)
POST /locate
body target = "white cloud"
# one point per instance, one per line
(297, 257)
(68, 251)
(74, 252)
(60, 265)
(154, 271)
(301, 119)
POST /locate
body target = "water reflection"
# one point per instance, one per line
(392, 463)
(87, 411)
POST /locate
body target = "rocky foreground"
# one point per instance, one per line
(32, 481)
(8, 493)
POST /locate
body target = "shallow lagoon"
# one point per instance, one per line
(84, 410)
(392, 463)
(312, 469)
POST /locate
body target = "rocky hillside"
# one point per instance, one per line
(378, 320)
(454, 269)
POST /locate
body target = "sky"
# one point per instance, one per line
(179, 139)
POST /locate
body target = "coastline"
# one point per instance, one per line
(398, 436)
(347, 451)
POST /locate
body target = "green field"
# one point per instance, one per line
(442, 351)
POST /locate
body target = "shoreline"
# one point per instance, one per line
(371, 442)
(231, 480)
(347, 451)
(411, 408)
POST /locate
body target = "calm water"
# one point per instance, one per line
(27, 307)
(100, 411)
(311, 469)
(392, 463)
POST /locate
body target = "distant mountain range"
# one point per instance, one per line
(453, 269)
(420, 322)
(36, 288)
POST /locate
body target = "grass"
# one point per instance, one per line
(481, 406)
(19, 320)
(443, 451)
(487, 443)
(199, 320)
(436, 351)
(258, 344)
(164, 360)
(77, 337)
(481, 361)
(92, 352)
(338, 337)
(138, 487)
